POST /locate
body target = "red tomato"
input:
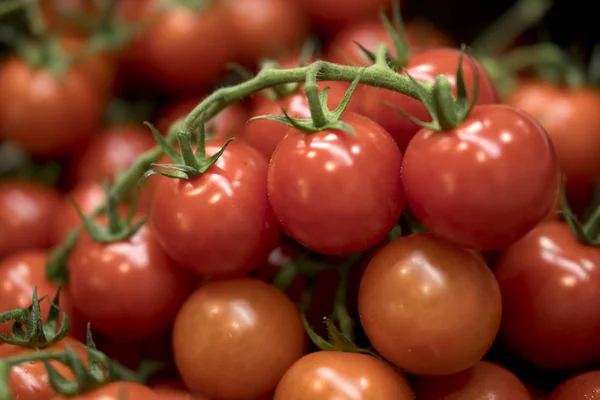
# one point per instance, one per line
(584, 386)
(219, 223)
(551, 314)
(20, 273)
(428, 306)
(571, 118)
(265, 135)
(110, 153)
(477, 184)
(264, 28)
(45, 115)
(336, 193)
(27, 211)
(169, 53)
(170, 392)
(484, 381)
(235, 339)
(116, 391)
(326, 375)
(224, 125)
(332, 15)
(424, 67)
(58, 14)
(141, 288)
(29, 381)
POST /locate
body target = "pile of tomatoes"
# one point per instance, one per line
(376, 256)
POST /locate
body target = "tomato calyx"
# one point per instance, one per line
(28, 329)
(321, 117)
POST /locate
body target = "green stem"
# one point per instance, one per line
(285, 276)
(531, 56)
(381, 53)
(35, 19)
(592, 227)
(340, 311)
(311, 90)
(10, 6)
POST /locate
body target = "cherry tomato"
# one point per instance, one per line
(141, 288)
(477, 184)
(332, 15)
(46, 115)
(336, 375)
(226, 124)
(219, 223)
(584, 386)
(169, 53)
(571, 118)
(428, 306)
(29, 381)
(27, 211)
(20, 273)
(235, 339)
(265, 135)
(58, 14)
(264, 28)
(116, 391)
(424, 66)
(551, 305)
(174, 390)
(110, 153)
(483, 381)
(334, 192)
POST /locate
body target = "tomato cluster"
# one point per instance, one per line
(388, 232)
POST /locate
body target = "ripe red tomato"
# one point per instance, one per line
(265, 135)
(20, 273)
(219, 223)
(29, 381)
(116, 391)
(571, 118)
(169, 54)
(174, 389)
(336, 375)
(336, 193)
(477, 184)
(264, 28)
(424, 66)
(58, 14)
(235, 339)
(483, 381)
(111, 152)
(45, 115)
(141, 288)
(428, 306)
(27, 211)
(583, 386)
(332, 15)
(551, 305)
(224, 125)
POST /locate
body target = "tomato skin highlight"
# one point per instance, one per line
(478, 185)
(235, 339)
(45, 115)
(428, 306)
(571, 118)
(582, 386)
(551, 311)
(219, 223)
(325, 375)
(140, 287)
(26, 213)
(336, 193)
(483, 381)
(424, 66)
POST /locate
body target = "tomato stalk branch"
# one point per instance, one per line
(9, 6)
(340, 311)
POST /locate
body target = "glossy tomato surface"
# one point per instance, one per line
(478, 184)
(265, 135)
(551, 303)
(140, 287)
(219, 223)
(27, 211)
(483, 381)
(424, 66)
(117, 391)
(29, 381)
(584, 386)
(428, 306)
(571, 118)
(235, 339)
(47, 116)
(111, 152)
(326, 375)
(334, 192)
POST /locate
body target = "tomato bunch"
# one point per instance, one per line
(373, 221)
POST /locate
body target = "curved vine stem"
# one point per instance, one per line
(374, 75)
